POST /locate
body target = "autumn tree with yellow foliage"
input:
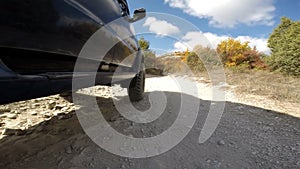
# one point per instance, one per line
(232, 51)
(184, 55)
(235, 53)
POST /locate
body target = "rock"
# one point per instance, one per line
(65, 116)
(16, 112)
(4, 109)
(51, 104)
(293, 148)
(36, 104)
(24, 108)
(11, 132)
(57, 113)
(46, 114)
(3, 115)
(34, 113)
(60, 106)
(23, 127)
(221, 142)
(65, 109)
(69, 150)
(130, 135)
(12, 116)
(20, 132)
(92, 165)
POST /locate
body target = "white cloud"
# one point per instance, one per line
(160, 27)
(192, 39)
(228, 13)
(261, 44)
(212, 40)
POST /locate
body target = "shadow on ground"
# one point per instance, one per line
(247, 137)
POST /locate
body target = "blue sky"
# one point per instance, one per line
(246, 20)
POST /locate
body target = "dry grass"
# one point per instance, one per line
(271, 85)
(264, 83)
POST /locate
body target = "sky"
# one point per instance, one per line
(173, 25)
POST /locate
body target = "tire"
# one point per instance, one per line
(136, 87)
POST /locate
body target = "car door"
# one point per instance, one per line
(126, 50)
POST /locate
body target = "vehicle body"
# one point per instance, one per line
(40, 41)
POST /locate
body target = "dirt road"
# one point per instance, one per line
(51, 137)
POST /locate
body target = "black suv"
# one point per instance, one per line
(40, 41)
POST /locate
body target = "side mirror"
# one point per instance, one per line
(138, 15)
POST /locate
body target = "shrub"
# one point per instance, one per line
(194, 62)
(235, 53)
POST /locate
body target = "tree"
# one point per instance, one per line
(284, 43)
(185, 55)
(232, 51)
(144, 44)
(150, 57)
(235, 53)
(253, 58)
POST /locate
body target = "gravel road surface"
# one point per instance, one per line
(45, 133)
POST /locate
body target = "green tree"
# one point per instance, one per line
(144, 44)
(150, 56)
(284, 43)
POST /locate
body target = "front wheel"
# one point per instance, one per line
(136, 87)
